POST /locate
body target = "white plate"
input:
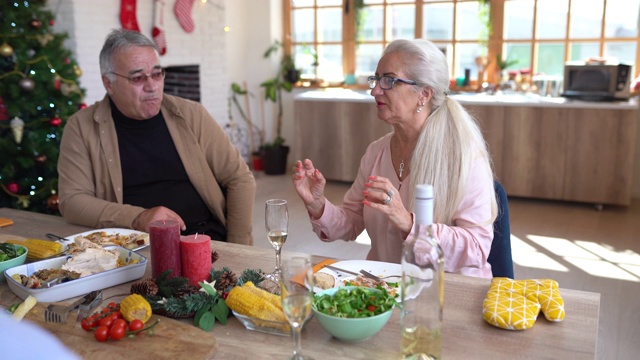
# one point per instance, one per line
(377, 268)
(79, 286)
(108, 231)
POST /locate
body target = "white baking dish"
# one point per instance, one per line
(79, 286)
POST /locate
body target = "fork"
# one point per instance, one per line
(56, 313)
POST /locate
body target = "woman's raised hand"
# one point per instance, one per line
(309, 184)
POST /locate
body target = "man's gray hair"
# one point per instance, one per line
(119, 40)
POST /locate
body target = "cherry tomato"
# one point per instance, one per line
(106, 321)
(113, 305)
(372, 308)
(136, 325)
(120, 323)
(86, 325)
(116, 315)
(117, 332)
(102, 333)
(106, 310)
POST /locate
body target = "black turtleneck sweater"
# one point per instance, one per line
(153, 174)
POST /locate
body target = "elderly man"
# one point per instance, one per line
(140, 155)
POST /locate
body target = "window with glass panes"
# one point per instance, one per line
(333, 38)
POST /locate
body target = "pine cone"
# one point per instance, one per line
(227, 279)
(214, 257)
(146, 287)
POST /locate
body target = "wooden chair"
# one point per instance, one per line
(500, 255)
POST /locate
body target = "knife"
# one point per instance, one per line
(362, 272)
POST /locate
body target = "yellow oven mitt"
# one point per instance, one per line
(515, 304)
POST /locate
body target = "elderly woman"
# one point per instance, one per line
(435, 141)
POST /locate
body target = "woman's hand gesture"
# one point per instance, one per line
(309, 184)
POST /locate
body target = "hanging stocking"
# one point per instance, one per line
(128, 15)
(158, 27)
(183, 13)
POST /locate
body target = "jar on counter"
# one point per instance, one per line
(525, 80)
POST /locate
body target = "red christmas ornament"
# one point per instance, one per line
(56, 83)
(67, 61)
(53, 202)
(41, 159)
(4, 115)
(13, 187)
(51, 22)
(55, 121)
(82, 106)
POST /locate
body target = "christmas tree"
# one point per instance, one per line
(39, 90)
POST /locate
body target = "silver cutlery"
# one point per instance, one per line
(362, 272)
(57, 313)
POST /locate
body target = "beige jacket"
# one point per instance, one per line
(90, 174)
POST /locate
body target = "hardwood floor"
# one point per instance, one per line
(580, 247)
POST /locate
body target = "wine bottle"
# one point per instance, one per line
(422, 284)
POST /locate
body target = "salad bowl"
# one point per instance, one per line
(328, 305)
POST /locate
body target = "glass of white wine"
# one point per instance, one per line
(296, 291)
(276, 221)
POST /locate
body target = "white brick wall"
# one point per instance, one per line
(89, 22)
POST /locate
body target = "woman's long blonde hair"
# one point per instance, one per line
(450, 139)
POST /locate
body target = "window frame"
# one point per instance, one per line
(496, 43)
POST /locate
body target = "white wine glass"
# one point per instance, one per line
(296, 291)
(276, 221)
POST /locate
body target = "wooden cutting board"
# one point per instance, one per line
(172, 339)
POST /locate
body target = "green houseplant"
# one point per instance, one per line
(274, 154)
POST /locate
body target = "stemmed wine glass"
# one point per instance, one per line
(296, 291)
(276, 220)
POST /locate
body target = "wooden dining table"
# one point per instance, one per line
(465, 335)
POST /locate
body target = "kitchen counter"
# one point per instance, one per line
(517, 99)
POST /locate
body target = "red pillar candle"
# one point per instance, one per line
(195, 252)
(164, 236)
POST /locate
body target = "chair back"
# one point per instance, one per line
(500, 255)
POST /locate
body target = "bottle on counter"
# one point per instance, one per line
(422, 284)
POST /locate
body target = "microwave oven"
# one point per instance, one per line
(597, 82)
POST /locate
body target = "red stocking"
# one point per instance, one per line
(128, 15)
(158, 30)
(183, 13)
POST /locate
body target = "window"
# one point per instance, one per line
(333, 38)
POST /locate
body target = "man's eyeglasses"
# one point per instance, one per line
(386, 82)
(141, 79)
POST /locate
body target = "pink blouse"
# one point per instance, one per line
(466, 246)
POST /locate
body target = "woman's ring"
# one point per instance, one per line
(391, 193)
(387, 200)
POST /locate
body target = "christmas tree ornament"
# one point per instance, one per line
(27, 84)
(53, 202)
(6, 50)
(44, 39)
(35, 23)
(182, 9)
(4, 115)
(77, 70)
(128, 15)
(51, 22)
(41, 159)
(17, 128)
(55, 121)
(66, 61)
(13, 187)
(82, 106)
(158, 28)
(31, 53)
(57, 82)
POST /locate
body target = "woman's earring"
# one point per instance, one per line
(420, 107)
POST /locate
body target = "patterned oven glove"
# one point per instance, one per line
(515, 304)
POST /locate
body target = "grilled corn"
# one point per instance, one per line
(251, 301)
(39, 249)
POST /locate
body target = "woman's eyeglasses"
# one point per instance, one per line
(386, 82)
(140, 79)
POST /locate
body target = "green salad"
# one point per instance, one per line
(358, 302)
(10, 251)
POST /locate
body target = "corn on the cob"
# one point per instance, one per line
(272, 298)
(243, 300)
(39, 249)
(24, 308)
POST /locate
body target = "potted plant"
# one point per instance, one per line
(274, 154)
(255, 143)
